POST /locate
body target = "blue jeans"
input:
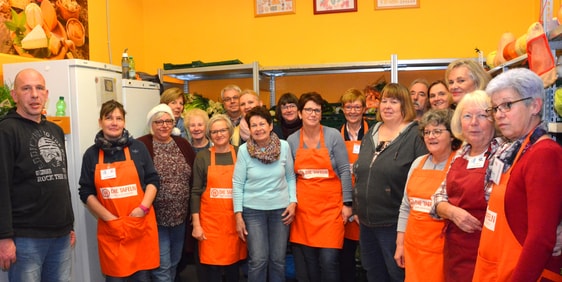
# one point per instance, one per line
(378, 245)
(322, 264)
(170, 241)
(41, 259)
(267, 244)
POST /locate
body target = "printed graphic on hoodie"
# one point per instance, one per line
(47, 154)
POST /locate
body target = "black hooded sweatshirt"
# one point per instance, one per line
(35, 198)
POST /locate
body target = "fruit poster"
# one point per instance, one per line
(46, 29)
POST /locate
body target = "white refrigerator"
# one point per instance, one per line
(85, 85)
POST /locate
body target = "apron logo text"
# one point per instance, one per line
(119, 192)
(221, 193)
(313, 173)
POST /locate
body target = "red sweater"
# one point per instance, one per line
(533, 206)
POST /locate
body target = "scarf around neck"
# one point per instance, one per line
(112, 146)
(270, 153)
(290, 128)
(507, 152)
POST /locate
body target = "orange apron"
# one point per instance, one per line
(222, 246)
(499, 249)
(128, 244)
(352, 228)
(318, 222)
(423, 240)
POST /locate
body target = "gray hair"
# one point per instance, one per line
(477, 98)
(215, 118)
(521, 80)
(437, 117)
(230, 87)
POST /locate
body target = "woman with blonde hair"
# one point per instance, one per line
(212, 209)
(195, 121)
(462, 198)
(464, 76)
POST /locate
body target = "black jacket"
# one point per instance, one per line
(379, 185)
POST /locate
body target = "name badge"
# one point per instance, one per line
(356, 148)
(314, 173)
(421, 205)
(476, 162)
(490, 220)
(108, 173)
(497, 169)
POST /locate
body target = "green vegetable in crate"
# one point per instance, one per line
(197, 101)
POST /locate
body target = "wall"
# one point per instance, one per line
(182, 31)
(170, 31)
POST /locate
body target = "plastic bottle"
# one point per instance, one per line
(125, 64)
(132, 71)
(61, 107)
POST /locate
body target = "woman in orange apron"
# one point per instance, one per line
(419, 243)
(323, 184)
(352, 131)
(525, 205)
(118, 184)
(212, 210)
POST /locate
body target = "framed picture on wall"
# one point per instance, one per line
(334, 6)
(273, 7)
(396, 4)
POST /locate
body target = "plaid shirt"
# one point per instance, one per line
(441, 194)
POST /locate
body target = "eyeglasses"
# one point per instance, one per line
(221, 131)
(233, 98)
(168, 122)
(436, 132)
(311, 110)
(505, 107)
(288, 107)
(479, 117)
(350, 108)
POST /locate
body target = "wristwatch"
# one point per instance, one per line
(348, 204)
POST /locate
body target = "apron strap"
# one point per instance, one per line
(214, 151)
(365, 129)
(322, 144)
(101, 155)
(551, 275)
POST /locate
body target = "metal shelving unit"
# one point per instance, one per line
(269, 75)
(214, 73)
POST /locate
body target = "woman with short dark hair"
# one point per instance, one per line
(324, 191)
(264, 197)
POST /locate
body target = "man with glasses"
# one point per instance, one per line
(230, 97)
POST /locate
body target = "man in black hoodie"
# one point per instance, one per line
(36, 217)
